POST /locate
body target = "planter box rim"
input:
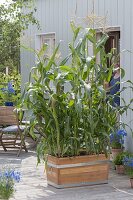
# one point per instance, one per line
(81, 156)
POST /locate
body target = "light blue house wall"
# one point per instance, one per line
(55, 15)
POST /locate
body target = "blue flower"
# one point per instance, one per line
(122, 132)
(7, 174)
(11, 174)
(8, 178)
(17, 176)
(128, 162)
(9, 88)
(117, 138)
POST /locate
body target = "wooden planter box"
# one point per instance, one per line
(77, 171)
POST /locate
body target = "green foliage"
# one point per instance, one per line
(120, 157)
(116, 145)
(15, 78)
(77, 120)
(117, 139)
(5, 193)
(128, 164)
(12, 22)
(129, 171)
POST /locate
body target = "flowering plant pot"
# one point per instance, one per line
(128, 163)
(118, 161)
(120, 169)
(10, 90)
(8, 178)
(8, 94)
(117, 139)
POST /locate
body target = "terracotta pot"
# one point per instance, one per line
(77, 171)
(120, 169)
(131, 181)
(115, 152)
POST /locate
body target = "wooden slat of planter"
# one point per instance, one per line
(85, 177)
(67, 171)
(53, 179)
(76, 170)
(53, 175)
(89, 174)
(80, 174)
(77, 178)
(53, 171)
(77, 159)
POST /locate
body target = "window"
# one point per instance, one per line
(112, 42)
(48, 38)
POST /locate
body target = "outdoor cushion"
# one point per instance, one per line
(13, 128)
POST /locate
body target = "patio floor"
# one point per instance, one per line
(33, 184)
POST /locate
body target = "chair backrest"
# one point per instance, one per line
(7, 116)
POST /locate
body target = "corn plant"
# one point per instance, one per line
(78, 120)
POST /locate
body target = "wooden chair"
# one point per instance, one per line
(12, 134)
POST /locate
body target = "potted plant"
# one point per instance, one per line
(117, 141)
(9, 89)
(118, 161)
(128, 164)
(8, 177)
(70, 109)
(8, 94)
